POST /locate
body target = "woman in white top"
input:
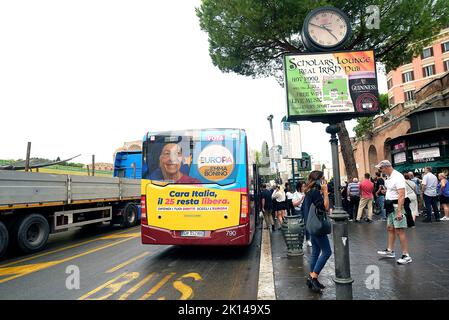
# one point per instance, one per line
(410, 190)
(279, 197)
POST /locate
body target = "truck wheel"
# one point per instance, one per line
(31, 233)
(130, 213)
(4, 239)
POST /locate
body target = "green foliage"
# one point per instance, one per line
(249, 37)
(364, 126)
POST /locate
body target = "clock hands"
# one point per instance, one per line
(328, 30)
(325, 28)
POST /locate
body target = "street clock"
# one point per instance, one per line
(325, 29)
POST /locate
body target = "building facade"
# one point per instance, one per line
(410, 136)
(433, 62)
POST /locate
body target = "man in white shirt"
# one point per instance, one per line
(429, 187)
(394, 206)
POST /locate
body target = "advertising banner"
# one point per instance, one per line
(291, 140)
(322, 86)
(429, 154)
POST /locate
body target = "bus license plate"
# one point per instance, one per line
(193, 233)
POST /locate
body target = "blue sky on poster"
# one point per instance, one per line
(86, 76)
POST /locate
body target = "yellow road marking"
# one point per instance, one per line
(186, 291)
(58, 250)
(136, 287)
(157, 286)
(112, 286)
(121, 235)
(20, 271)
(121, 265)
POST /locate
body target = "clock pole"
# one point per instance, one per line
(340, 218)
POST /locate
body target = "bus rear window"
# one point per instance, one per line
(192, 158)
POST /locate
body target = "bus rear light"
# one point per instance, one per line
(244, 218)
(143, 207)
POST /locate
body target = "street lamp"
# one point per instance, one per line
(270, 119)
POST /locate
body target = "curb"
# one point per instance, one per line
(266, 288)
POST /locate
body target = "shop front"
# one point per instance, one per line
(415, 151)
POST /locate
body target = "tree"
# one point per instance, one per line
(365, 124)
(249, 37)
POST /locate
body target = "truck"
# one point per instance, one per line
(34, 205)
(128, 164)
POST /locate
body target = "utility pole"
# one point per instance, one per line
(93, 165)
(27, 159)
(278, 176)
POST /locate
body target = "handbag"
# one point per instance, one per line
(318, 223)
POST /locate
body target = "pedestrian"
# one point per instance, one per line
(288, 200)
(394, 205)
(354, 198)
(298, 200)
(330, 187)
(344, 197)
(412, 194)
(316, 192)
(279, 198)
(429, 188)
(366, 198)
(380, 191)
(267, 206)
(417, 181)
(444, 195)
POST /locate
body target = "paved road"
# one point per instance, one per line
(113, 264)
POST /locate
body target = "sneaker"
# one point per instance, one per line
(405, 259)
(350, 220)
(386, 253)
(368, 220)
(309, 243)
(427, 221)
(444, 219)
(357, 221)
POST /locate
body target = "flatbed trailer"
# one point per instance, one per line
(34, 205)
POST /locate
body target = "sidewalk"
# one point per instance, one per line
(427, 277)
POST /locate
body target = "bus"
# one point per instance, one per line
(197, 188)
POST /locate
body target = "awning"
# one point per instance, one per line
(418, 167)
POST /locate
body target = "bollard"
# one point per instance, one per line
(293, 232)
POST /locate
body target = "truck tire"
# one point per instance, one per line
(31, 233)
(4, 239)
(130, 212)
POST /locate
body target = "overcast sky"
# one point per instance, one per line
(86, 76)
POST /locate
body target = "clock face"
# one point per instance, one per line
(327, 28)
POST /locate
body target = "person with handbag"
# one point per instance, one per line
(316, 203)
